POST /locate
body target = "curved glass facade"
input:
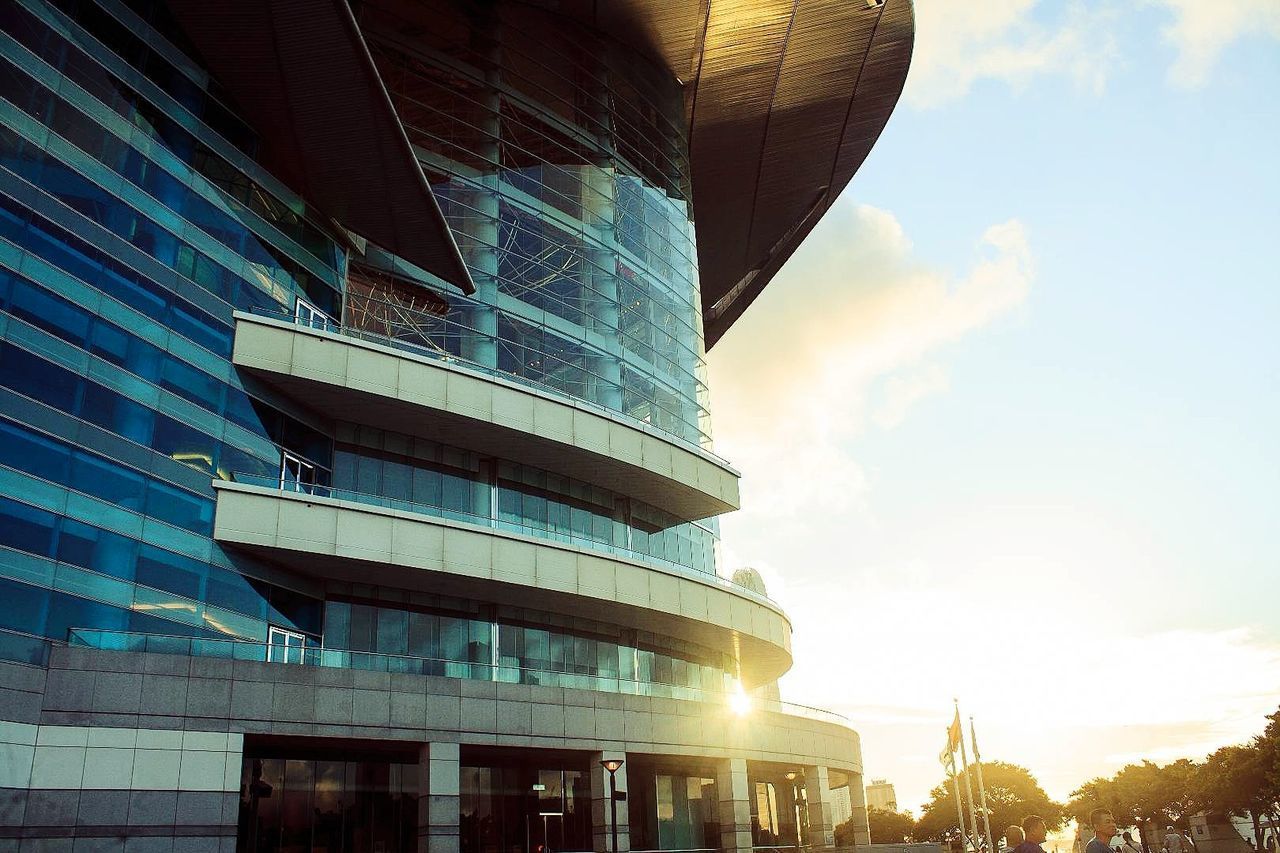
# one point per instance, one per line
(566, 186)
(134, 221)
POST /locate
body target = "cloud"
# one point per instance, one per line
(849, 320)
(1201, 31)
(958, 44)
(902, 392)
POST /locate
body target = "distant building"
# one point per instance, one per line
(880, 795)
(841, 805)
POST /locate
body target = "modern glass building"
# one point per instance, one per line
(356, 482)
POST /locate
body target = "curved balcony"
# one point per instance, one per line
(480, 558)
(412, 391)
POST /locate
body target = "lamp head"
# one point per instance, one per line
(611, 764)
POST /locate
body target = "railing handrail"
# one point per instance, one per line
(334, 658)
(460, 362)
(274, 483)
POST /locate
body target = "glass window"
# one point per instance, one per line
(100, 550)
(34, 453)
(26, 528)
(38, 379)
(25, 607)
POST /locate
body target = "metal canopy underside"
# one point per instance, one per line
(786, 99)
(302, 76)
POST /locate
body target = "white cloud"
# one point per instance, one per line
(1200, 31)
(851, 310)
(903, 392)
(960, 43)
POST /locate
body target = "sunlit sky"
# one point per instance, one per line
(1009, 421)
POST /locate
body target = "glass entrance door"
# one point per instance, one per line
(284, 646)
(296, 474)
(309, 315)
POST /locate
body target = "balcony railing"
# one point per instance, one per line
(253, 650)
(321, 322)
(535, 531)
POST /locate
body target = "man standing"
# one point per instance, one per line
(1012, 838)
(1104, 829)
(1035, 832)
(1173, 842)
(1129, 845)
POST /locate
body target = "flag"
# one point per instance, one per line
(954, 733)
(973, 737)
(947, 759)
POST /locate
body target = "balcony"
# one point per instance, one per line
(251, 650)
(346, 539)
(415, 391)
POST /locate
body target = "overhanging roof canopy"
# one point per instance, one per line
(302, 76)
(786, 99)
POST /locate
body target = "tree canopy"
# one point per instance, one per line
(890, 827)
(1012, 794)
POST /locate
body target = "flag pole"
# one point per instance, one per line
(955, 785)
(982, 789)
(968, 784)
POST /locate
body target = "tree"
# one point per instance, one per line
(890, 827)
(1141, 794)
(1012, 794)
(1233, 781)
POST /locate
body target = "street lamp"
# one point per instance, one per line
(612, 765)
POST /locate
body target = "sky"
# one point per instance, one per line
(1007, 422)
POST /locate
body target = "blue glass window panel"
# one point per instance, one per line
(300, 611)
(456, 493)
(124, 350)
(453, 638)
(337, 625)
(69, 611)
(233, 461)
(31, 375)
(28, 650)
(393, 631)
(105, 480)
(174, 573)
(33, 453)
(362, 625)
(26, 528)
(428, 486)
(184, 444)
(193, 384)
(25, 607)
(49, 312)
(179, 508)
(117, 413)
(424, 635)
(368, 475)
(232, 591)
(100, 550)
(397, 480)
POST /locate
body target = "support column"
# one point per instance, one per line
(734, 792)
(438, 772)
(817, 792)
(601, 814)
(858, 802)
(602, 817)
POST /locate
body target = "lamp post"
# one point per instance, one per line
(612, 765)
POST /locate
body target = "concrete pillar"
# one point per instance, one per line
(858, 800)
(478, 241)
(601, 815)
(817, 792)
(438, 770)
(734, 791)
